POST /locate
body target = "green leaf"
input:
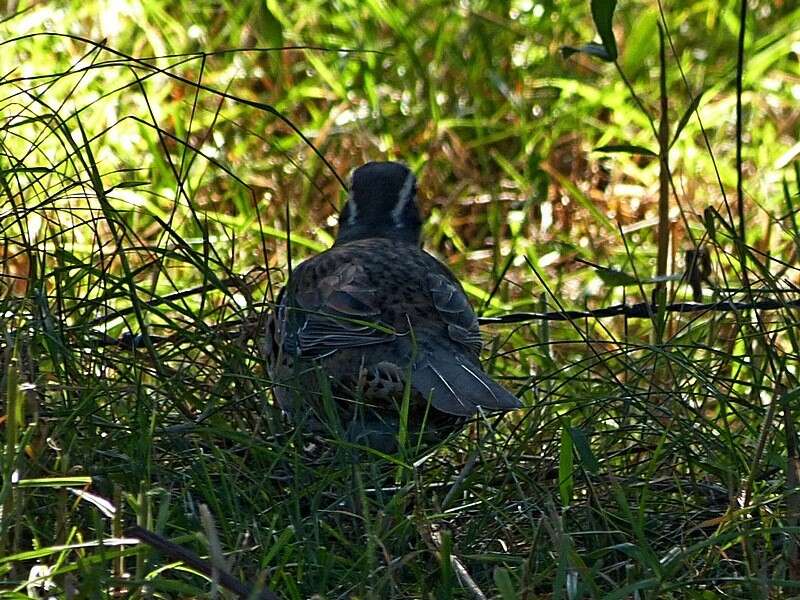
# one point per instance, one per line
(582, 199)
(18, 170)
(445, 561)
(710, 223)
(639, 43)
(602, 13)
(54, 482)
(504, 585)
(566, 482)
(267, 28)
(686, 116)
(130, 184)
(614, 278)
(585, 455)
(626, 148)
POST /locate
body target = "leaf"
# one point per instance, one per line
(130, 184)
(611, 276)
(602, 13)
(504, 585)
(686, 116)
(18, 170)
(639, 43)
(585, 454)
(710, 223)
(627, 149)
(592, 49)
(43, 482)
(566, 483)
(267, 28)
(581, 198)
(615, 278)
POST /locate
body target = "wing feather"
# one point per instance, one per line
(325, 314)
(453, 306)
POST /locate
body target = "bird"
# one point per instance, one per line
(375, 335)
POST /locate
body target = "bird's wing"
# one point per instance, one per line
(337, 311)
(452, 305)
(453, 379)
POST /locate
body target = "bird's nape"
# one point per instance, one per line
(381, 203)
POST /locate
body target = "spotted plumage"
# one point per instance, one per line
(374, 316)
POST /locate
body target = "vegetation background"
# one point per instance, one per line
(155, 159)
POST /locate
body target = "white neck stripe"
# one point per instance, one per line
(352, 212)
(405, 195)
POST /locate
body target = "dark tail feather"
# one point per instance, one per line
(458, 387)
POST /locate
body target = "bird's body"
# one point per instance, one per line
(375, 316)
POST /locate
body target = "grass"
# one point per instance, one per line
(154, 188)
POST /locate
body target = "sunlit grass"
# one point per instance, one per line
(150, 189)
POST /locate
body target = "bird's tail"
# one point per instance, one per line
(459, 387)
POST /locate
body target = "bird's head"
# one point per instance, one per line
(382, 203)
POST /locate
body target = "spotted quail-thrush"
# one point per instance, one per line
(354, 322)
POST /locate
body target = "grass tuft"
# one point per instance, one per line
(162, 166)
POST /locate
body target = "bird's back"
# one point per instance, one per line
(377, 301)
(380, 279)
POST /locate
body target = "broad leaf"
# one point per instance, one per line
(602, 13)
